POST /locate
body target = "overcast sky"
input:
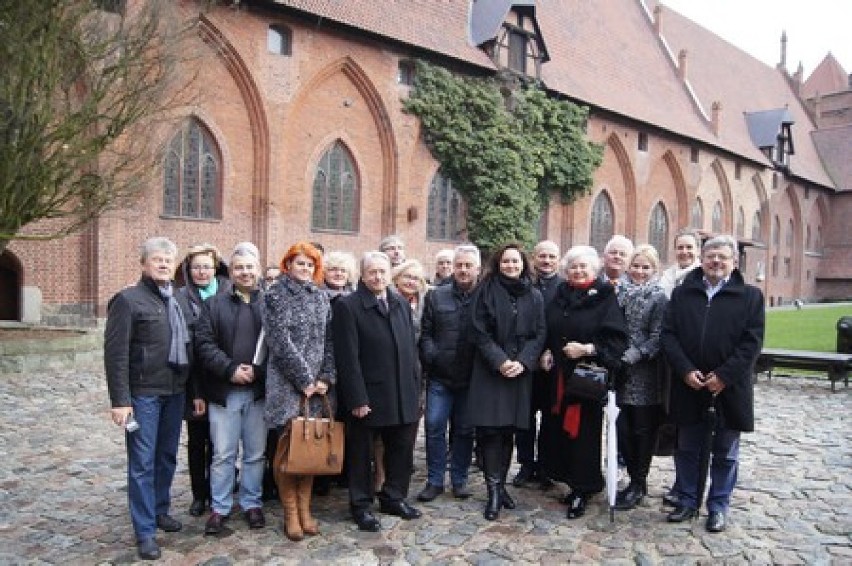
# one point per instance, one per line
(814, 27)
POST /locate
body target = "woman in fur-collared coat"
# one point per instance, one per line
(297, 319)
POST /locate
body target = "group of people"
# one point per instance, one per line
(485, 355)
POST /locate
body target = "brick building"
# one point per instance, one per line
(298, 133)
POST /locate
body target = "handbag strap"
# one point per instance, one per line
(325, 411)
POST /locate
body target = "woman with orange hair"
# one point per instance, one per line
(297, 321)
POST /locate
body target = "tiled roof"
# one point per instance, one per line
(440, 26)
(719, 71)
(834, 146)
(828, 77)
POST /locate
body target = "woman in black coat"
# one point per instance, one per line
(508, 328)
(584, 324)
(204, 274)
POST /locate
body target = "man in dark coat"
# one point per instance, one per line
(545, 260)
(447, 354)
(712, 335)
(378, 387)
(147, 355)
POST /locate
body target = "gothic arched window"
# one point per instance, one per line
(603, 222)
(658, 231)
(697, 214)
(445, 220)
(192, 174)
(716, 221)
(335, 191)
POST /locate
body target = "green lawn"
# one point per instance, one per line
(812, 328)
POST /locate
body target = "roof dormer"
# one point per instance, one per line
(772, 132)
(509, 33)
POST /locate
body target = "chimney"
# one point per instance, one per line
(658, 19)
(716, 119)
(782, 64)
(681, 64)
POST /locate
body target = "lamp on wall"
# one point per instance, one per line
(761, 273)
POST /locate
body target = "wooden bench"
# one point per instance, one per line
(837, 366)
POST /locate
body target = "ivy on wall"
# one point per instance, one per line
(506, 147)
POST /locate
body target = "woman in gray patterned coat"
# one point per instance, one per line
(639, 389)
(297, 320)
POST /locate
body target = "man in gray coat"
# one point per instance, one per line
(378, 387)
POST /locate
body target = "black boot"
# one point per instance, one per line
(631, 496)
(507, 444)
(491, 452)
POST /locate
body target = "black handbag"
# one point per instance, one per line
(587, 381)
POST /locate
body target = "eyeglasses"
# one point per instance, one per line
(718, 257)
(202, 268)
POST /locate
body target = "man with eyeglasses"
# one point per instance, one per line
(712, 335)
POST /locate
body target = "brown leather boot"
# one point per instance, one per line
(305, 490)
(287, 487)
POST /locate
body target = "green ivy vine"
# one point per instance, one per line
(506, 148)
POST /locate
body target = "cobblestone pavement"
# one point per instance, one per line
(63, 498)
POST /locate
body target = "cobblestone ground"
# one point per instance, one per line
(63, 498)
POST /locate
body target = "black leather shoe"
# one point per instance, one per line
(461, 491)
(682, 513)
(148, 549)
(430, 492)
(576, 506)
(629, 497)
(715, 522)
(215, 524)
(255, 519)
(168, 524)
(401, 509)
(524, 476)
(505, 499)
(366, 521)
(671, 499)
(197, 508)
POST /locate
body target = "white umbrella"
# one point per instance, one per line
(611, 410)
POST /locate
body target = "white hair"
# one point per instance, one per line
(577, 252)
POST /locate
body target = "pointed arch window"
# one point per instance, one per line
(446, 210)
(756, 228)
(776, 232)
(741, 223)
(697, 214)
(716, 221)
(658, 231)
(192, 174)
(336, 191)
(602, 222)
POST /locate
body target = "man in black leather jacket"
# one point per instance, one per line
(147, 354)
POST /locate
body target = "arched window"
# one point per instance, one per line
(716, 221)
(658, 231)
(756, 228)
(776, 232)
(603, 221)
(192, 174)
(445, 220)
(789, 236)
(697, 214)
(279, 40)
(741, 223)
(336, 191)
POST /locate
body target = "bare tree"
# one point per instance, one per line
(83, 84)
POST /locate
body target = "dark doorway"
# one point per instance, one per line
(10, 287)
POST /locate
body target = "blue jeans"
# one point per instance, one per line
(152, 458)
(241, 419)
(443, 403)
(723, 465)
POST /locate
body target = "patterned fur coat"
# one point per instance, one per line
(297, 320)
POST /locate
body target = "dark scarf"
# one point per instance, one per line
(515, 287)
(180, 335)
